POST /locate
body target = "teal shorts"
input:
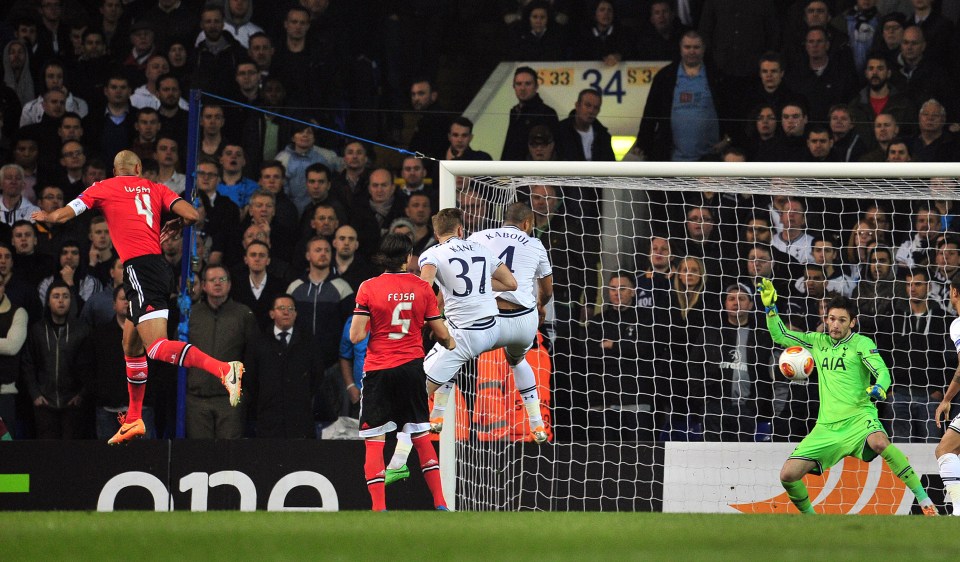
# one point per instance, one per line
(830, 442)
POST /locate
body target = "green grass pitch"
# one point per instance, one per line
(432, 536)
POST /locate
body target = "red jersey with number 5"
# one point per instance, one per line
(398, 305)
(132, 207)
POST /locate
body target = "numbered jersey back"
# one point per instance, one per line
(464, 273)
(133, 207)
(525, 257)
(398, 305)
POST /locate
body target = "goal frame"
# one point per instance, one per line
(449, 170)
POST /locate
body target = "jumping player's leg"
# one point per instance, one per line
(526, 383)
(136, 362)
(949, 462)
(900, 466)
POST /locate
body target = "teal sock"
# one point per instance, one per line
(797, 492)
(901, 467)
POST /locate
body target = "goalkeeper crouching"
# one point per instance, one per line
(852, 375)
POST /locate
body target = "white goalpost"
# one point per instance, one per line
(671, 400)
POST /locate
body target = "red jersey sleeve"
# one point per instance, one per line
(362, 300)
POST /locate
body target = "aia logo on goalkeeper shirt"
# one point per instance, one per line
(852, 486)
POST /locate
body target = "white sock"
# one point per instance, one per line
(440, 398)
(400, 454)
(526, 383)
(950, 474)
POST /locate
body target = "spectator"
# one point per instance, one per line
(110, 131)
(325, 223)
(374, 213)
(93, 67)
(825, 254)
(300, 63)
(260, 51)
(819, 144)
(167, 156)
(936, 29)
(660, 34)
(418, 210)
(217, 55)
(535, 37)
(320, 190)
(13, 335)
(236, 22)
(297, 156)
(219, 222)
(26, 154)
(113, 25)
(947, 266)
(99, 308)
(180, 63)
(529, 112)
(761, 134)
(13, 206)
(74, 274)
(826, 79)
(256, 287)
(791, 145)
(879, 294)
(246, 88)
(863, 238)
(263, 135)
(433, 123)
(351, 368)
(147, 127)
(460, 136)
(769, 89)
(16, 70)
(263, 215)
(918, 362)
(109, 366)
(285, 372)
(226, 330)
(46, 238)
(849, 145)
(604, 38)
(53, 80)
(148, 95)
(172, 21)
(879, 96)
(32, 265)
(891, 35)
(345, 264)
(793, 240)
(885, 129)
(272, 179)
(56, 368)
(212, 140)
(933, 143)
(173, 114)
(920, 76)
(144, 41)
(861, 24)
(581, 136)
(233, 184)
(72, 160)
(899, 151)
(919, 249)
(738, 33)
(689, 130)
(101, 252)
(323, 301)
(415, 180)
(738, 383)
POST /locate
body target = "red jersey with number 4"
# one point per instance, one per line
(132, 207)
(398, 305)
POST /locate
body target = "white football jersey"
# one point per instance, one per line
(525, 257)
(955, 333)
(465, 275)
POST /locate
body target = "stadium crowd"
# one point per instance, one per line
(291, 213)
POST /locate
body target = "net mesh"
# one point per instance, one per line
(654, 334)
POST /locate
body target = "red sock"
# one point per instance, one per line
(136, 386)
(180, 353)
(373, 470)
(430, 467)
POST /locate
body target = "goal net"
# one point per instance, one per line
(661, 370)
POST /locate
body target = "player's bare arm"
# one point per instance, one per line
(503, 279)
(428, 273)
(359, 328)
(943, 409)
(187, 215)
(544, 294)
(60, 216)
(441, 334)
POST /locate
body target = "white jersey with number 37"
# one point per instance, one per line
(525, 257)
(465, 275)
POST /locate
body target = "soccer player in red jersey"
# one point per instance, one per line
(394, 307)
(132, 207)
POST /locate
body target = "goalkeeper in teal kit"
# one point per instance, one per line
(851, 376)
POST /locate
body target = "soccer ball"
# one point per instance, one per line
(796, 363)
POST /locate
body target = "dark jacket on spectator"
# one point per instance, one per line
(55, 363)
(524, 117)
(571, 148)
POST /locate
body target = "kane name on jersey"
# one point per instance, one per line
(133, 207)
(398, 305)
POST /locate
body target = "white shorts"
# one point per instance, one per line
(955, 424)
(518, 331)
(442, 364)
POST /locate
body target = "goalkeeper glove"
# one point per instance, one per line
(876, 392)
(768, 295)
